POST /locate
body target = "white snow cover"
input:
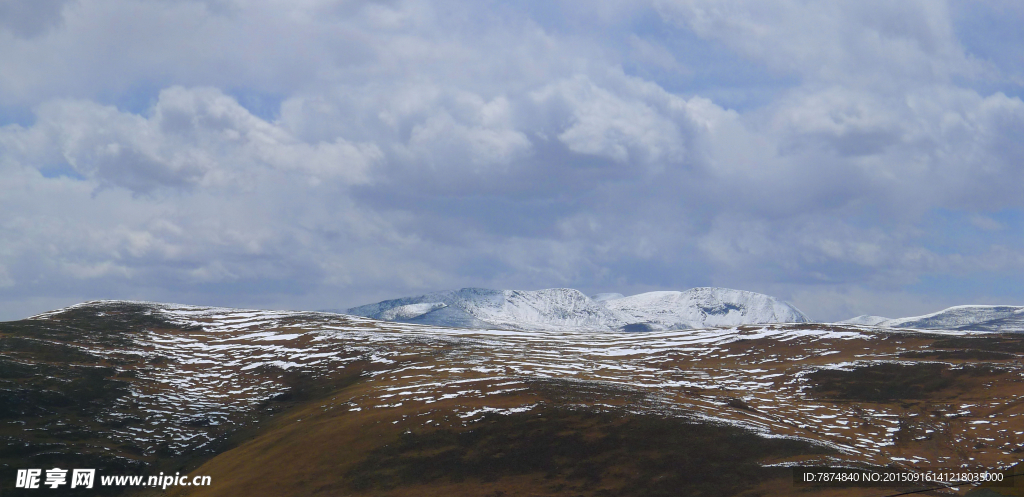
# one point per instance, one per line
(865, 320)
(410, 311)
(551, 309)
(555, 308)
(568, 309)
(1005, 318)
(704, 307)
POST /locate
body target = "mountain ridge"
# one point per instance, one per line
(568, 309)
(705, 307)
(1005, 318)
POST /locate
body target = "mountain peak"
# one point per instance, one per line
(704, 307)
(569, 309)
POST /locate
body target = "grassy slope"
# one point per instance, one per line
(316, 450)
(54, 394)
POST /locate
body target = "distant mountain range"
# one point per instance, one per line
(568, 309)
(1005, 318)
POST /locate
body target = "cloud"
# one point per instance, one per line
(29, 18)
(853, 42)
(601, 123)
(987, 223)
(5, 278)
(191, 138)
(322, 154)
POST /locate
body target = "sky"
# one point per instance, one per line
(850, 157)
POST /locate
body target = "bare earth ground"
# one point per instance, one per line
(276, 403)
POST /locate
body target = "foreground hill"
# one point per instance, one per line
(567, 309)
(293, 403)
(1004, 318)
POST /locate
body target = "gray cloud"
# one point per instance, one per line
(420, 145)
(30, 18)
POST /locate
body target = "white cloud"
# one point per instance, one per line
(873, 43)
(623, 128)
(414, 145)
(987, 223)
(192, 138)
(482, 138)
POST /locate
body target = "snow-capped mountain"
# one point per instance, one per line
(568, 309)
(962, 317)
(865, 320)
(703, 308)
(551, 309)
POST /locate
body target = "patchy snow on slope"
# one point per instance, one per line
(705, 307)
(216, 366)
